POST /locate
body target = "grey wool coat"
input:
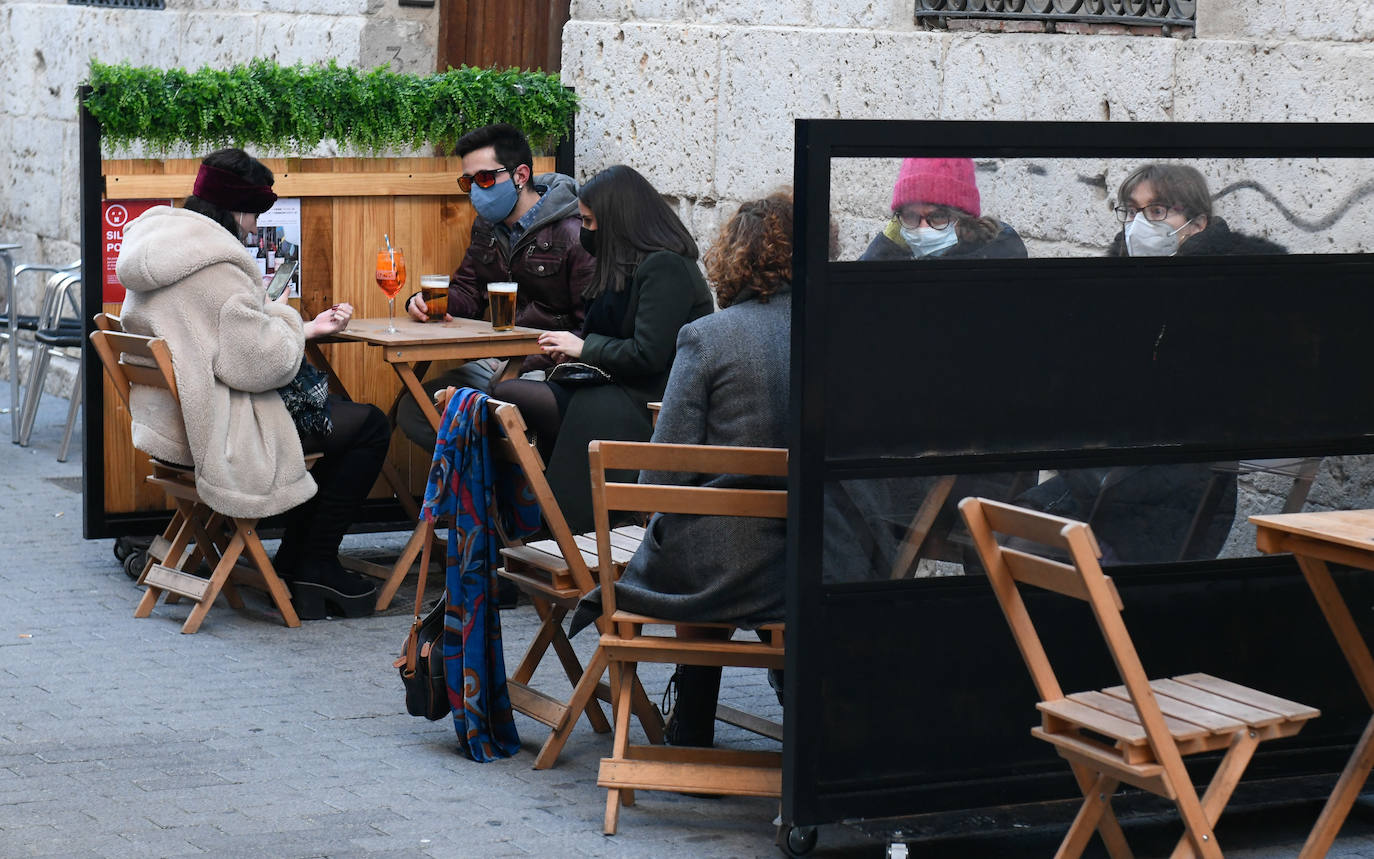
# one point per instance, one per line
(193, 284)
(729, 386)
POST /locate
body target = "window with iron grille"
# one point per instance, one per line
(1165, 14)
(121, 4)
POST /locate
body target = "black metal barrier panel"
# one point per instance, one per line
(906, 695)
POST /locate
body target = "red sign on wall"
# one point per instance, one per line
(114, 214)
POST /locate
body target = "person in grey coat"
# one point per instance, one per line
(729, 386)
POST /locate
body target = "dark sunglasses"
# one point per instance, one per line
(482, 179)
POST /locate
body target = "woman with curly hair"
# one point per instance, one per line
(729, 386)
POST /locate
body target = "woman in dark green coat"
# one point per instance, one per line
(646, 287)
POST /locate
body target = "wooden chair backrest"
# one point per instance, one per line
(515, 447)
(665, 498)
(1081, 578)
(132, 359)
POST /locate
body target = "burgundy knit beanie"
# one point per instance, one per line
(938, 181)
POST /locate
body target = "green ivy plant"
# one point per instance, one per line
(293, 108)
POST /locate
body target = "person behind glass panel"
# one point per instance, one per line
(1166, 209)
(937, 214)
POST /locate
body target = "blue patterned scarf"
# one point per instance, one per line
(476, 491)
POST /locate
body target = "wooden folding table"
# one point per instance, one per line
(1316, 539)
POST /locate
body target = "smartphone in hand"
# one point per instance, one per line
(281, 279)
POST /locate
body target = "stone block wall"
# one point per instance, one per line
(46, 47)
(700, 96)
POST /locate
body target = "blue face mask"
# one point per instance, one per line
(926, 241)
(495, 203)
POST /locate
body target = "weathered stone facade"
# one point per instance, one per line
(46, 47)
(700, 95)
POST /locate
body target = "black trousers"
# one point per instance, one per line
(353, 455)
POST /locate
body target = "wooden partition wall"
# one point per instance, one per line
(346, 206)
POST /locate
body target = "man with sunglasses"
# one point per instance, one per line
(526, 231)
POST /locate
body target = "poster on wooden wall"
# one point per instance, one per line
(279, 240)
(114, 217)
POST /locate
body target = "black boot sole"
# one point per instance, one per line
(315, 601)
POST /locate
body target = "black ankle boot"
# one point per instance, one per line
(692, 718)
(324, 587)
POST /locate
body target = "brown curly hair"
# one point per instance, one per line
(753, 250)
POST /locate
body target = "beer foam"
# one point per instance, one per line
(434, 280)
(502, 287)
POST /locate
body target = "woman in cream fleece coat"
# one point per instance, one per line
(191, 282)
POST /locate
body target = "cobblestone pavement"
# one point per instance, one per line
(123, 738)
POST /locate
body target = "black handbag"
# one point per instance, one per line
(576, 373)
(422, 655)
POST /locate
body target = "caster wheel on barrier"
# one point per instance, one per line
(798, 840)
(134, 563)
(123, 547)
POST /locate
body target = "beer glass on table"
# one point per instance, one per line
(434, 289)
(391, 276)
(501, 297)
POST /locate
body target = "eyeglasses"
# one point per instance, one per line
(482, 179)
(937, 219)
(1153, 212)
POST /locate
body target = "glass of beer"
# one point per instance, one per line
(391, 276)
(501, 296)
(434, 290)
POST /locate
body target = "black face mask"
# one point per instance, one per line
(588, 239)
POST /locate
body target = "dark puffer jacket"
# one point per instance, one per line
(547, 261)
(889, 245)
(1216, 240)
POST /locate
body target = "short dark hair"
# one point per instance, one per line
(512, 149)
(239, 163)
(632, 221)
(1176, 185)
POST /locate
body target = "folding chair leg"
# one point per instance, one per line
(1223, 783)
(179, 541)
(576, 673)
(276, 588)
(539, 644)
(622, 682)
(217, 579)
(72, 411)
(583, 700)
(212, 550)
(1198, 837)
(408, 556)
(1107, 826)
(1095, 801)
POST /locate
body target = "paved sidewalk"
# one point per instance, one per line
(124, 738)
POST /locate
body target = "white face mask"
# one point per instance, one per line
(926, 241)
(1151, 238)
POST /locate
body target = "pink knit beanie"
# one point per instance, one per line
(939, 181)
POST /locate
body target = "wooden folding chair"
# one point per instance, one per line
(196, 533)
(1136, 733)
(626, 642)
(554, 574)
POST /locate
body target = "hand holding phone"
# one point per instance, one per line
(281, 279)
